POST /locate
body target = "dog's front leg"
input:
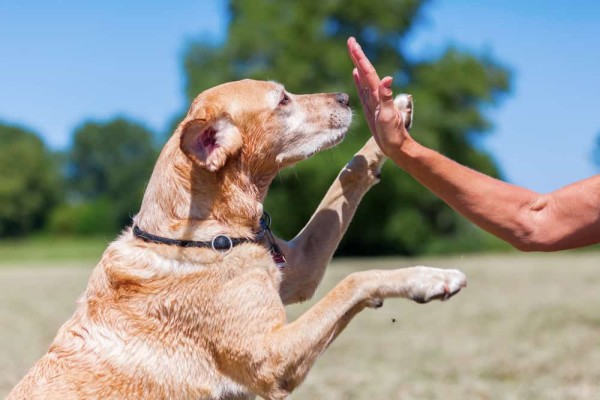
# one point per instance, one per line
(276, 362)
(309, 253)
(311, 250)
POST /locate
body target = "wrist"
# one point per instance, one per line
(405, 152)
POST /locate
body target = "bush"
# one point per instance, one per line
(30, 183)
(89, 218)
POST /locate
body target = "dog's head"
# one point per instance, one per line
(262, 124)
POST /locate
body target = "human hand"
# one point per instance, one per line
(386, 122)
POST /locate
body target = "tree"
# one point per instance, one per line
(302, 44)
(108, 165)
(30, 182)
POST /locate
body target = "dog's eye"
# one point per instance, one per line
(284, 99)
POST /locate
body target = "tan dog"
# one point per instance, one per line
(165, 319)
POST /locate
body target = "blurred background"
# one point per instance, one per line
(89, 92)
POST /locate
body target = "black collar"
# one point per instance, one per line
(221, 243)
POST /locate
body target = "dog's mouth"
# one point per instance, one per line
(340, 123)
(335, 139)
(315, 139)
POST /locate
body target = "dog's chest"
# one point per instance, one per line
(184, 316)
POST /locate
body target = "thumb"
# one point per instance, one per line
(388, 114)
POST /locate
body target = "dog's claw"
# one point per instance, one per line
(374, 303)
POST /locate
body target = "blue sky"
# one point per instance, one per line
(65, 61)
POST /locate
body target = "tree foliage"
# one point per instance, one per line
(108, 167)
(302, 44)
(30, 182)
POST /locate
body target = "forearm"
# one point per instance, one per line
(500, 208)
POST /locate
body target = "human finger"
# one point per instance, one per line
(364, 100)
(363, 93)
(387, 113)
(366, 71)
(368, 80)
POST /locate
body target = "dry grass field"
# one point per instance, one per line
(527, 327)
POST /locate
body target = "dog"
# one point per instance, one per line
(189, 301)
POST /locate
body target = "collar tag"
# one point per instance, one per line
(222, 244)
(278, 256)
(276, 253)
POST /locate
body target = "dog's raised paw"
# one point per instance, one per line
(436, 284)
(404, 103)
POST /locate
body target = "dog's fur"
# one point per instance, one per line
(167, 322)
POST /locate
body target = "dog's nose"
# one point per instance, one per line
(343, 98)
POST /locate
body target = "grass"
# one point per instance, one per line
(527, 327)
(45, 249)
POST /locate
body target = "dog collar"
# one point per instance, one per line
(221, 243)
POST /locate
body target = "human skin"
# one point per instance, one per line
(566, 218)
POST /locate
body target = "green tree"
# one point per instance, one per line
(108, 167)
(302, 44)
(30, 182)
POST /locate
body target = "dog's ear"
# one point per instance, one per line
(210, 141)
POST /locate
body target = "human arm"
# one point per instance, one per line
(566, 218)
